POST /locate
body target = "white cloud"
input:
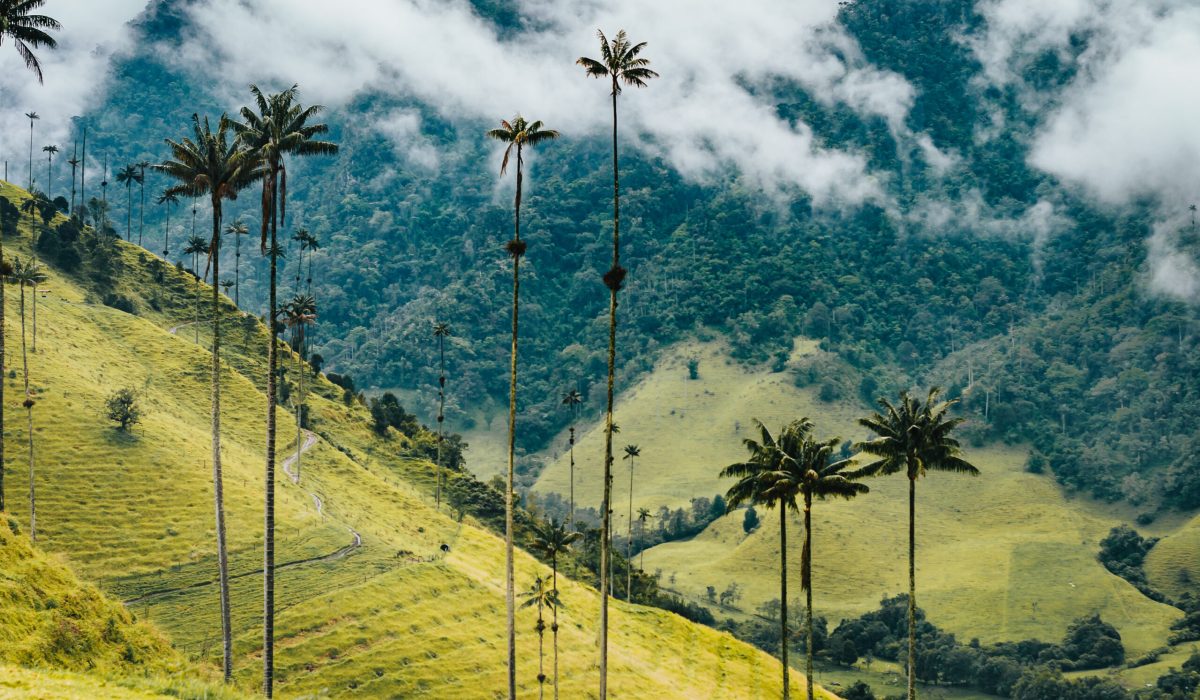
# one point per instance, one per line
(703, 114)
(75, 76)
(1173, 273)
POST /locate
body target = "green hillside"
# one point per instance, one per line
(367, 599)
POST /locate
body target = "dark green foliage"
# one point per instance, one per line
(120, 302)
(1049, 684)
(122, 408)
(858, 691)
(750, 520)
(1123, 552)
(386, 412)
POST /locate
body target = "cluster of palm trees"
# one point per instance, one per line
(792, 469)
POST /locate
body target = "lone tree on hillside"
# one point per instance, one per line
(122, 409)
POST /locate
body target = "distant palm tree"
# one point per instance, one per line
(518, 134)
(279, 128)
(27, 31)
(226, 285)
(913, 438)
(620, 63)
(632, 452)
(751, 489)
(313, 245)
(571, 399)
(142, 207)
(33, 116)
(74, 163)
(128, 176)
(169, 199)
(196, 245)
(28, 273)
(299, 313)
(214, 164)
(441, 331)
(543, 597)
(237, 229)
(552, 540)
(301, 238)
(50, 151)
(643, 515)
(806, 468)
(35, 276)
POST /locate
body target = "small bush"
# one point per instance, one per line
(122, 408)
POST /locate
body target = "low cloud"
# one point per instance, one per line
(1173, 272)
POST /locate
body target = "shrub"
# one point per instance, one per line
(122, 408)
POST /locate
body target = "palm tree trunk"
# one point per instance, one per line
(629, 543)
(299, 405)
(29, 414)
(142, 207)
(218, 486)
(783, 630)
(269, 499)
(806, 577)
(3, 330)
(541, 654)
(912, 589)
(606, 512)
(554, 624)
(441, 417)
(35, 319)
(237, 271)
(571, 513)
(510, 588)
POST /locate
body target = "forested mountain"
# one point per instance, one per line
(974, 269)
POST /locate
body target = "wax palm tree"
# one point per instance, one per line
(299, 314)
(27, 31)
(237, 229)
(28, 273)
(632, 452)
(643, 515)
(571, 399)
(301, 239)
(168, 199)
(542, 596)
(552, 540)
(50, 151)
(196, 245)
(279, 128)
(441, 331)
(806, 468)
(313, 245)
(215, 164)
(142, 193)
(518, 134)
(35, 276)
(621, 63)
(913, 438)
(32, 116)
(751, 489)
(74, 162)
(128, 176)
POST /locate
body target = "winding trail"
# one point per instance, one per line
(175, 329)
(310, 440)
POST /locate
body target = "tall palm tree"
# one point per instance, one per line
(621, 63)
(299, 313)
(751, 489)
(27, 31)
(551, 540)
(279, 128)
(543, 597)
(215, 164)
(518, 134)
(74, 163)
(128, 176)
(571, 399)
(33, 116)
(313, 244)
(35, 276)
(632, 452)
(301, 239)
(643, 515)
(806, 468)
(237, 229)
(50, 151)
(28, 273)
(913, 438)
(142, 193)
(195, 246)
(169, 199)
(441, 331)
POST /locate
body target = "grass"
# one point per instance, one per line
(134, 513)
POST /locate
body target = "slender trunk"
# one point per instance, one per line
(50, 177)
(541, 654)
(783, 630)
(142, 207)
(510, 590)
(571, 513)
(218, 486)
(299, 401)
(237, 271)
(3, 333)
(629, 543)
(554, 624)
(269, 508)
(912, 589)
(31, 155)
(606, 510)
(35, 319)
(806, 576)
(129, 211)
(441, 417)
(29, 414)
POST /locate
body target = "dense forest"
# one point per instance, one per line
(1041, 321)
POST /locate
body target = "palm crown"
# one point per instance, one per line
(28, 31)
(619, 61)
(913, 437)
(129, 175)
(553, 538)
(441, 330)
(518, 132)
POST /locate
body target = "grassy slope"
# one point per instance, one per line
(1004, 556)
(135, 513)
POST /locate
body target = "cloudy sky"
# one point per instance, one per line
(1122, 130)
